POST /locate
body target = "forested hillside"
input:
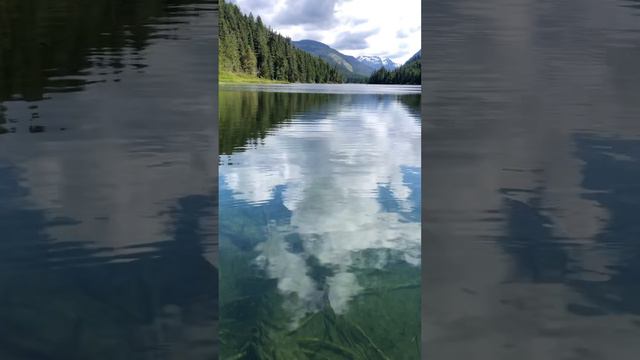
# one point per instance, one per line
(409, 73)
(248, 46)
(351, 68)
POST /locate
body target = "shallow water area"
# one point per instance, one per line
(320, 221)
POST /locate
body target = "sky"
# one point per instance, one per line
(353, 27)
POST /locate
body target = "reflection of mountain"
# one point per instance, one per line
(126, 141)
(412, 102)
(246, 117)
(48, 46)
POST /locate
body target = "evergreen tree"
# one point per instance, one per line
(249, 61)
(410, 73)
(248, 46)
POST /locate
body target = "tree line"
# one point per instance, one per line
(409, 73)
(248, 46)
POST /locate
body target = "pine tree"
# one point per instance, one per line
(409, 73)
(249, 62)
(248, 46)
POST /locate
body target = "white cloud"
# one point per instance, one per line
(325, 22)
(332, 193)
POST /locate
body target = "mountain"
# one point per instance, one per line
(376, 62)
(416, 56)
(409, 73)
(349, 66)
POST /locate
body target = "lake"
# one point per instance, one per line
(531, 148)
(320, 206)
(108, 170)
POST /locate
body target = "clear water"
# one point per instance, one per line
(531, 150)
(107, 180)
(320, 222)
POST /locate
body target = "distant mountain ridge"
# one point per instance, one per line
(376, 62)
(347, 65)
(353, 68)
(416, 56)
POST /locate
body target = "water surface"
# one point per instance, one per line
(532, 150)
(108, 180)
(320, 222)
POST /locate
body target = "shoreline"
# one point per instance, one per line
(225, 77)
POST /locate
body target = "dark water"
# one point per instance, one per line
(320, 222)
(532, 190)
(108, 179)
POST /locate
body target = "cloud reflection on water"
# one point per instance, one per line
(331, 167)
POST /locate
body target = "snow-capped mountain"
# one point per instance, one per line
(376, 62)
(352, 68)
